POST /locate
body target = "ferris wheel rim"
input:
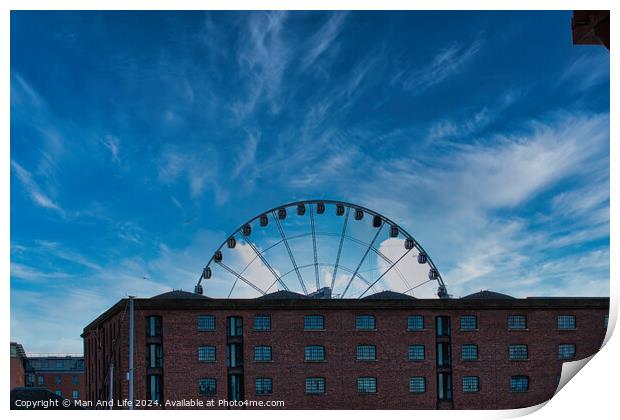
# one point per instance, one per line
(349, 205)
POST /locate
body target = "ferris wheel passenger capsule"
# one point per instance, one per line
(394, 232)
(359, 214)
(281, 213)
(320, 208)
(231, 242)
(301, 210)
(339, 210)
(247, 230)
(433, 274)
(376, 221)
(409, 243)
(422, 258)
(217, 257)
(264, 220)
(206, 273)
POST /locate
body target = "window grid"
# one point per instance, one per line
(314, 353)
(469, 352)
(262, 323)
(470, 384)
(417, 385)
(365, 322)
(262, 353)
(517, 322)
(517, 352)
(415, 322)
(566, 351)
(263, 386)
(315, 385)
(207, 386)
(206, 354)
(566, 322)
(416, 352)
(519, 383)
(366, 385)
(469, 323)
(366, 352)
(314, 322)
(206, 323)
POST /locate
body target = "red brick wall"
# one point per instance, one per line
(66, 386)
(18, 377)
(182, 370)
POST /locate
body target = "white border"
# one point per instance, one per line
(591, 395)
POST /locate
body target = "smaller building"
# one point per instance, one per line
(18, 366)
(63, 375)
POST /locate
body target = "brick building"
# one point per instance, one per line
(63, 375)
(18, 366)
(386, 351)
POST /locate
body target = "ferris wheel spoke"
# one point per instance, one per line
(343, 268)
(240, 277)
(290, 253)
(418, 285)
(342, 235)
(362, 260)
(385, 272)
(316, 266)
(266, 263)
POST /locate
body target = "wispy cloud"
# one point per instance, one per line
(263, 58)
(112, 144)
(323, 39)
(444, 64)
(34, 190)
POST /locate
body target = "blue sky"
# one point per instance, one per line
(485, 135)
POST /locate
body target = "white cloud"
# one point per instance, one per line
(112, 144)
(33, 189)
(323, 39)
(444, 64)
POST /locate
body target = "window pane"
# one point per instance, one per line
(469, 323)
(417, 385)
(365, 322)
(313, 322)
(366, 352)
(519, 383)
(206, 323)
(262, 353)
(470, 384)
(442, 325)
(263, 386)
(367, 385)
(207, 386)
(517, 322)
(416, 352)
(314, 353)
(566, 322)
(517, 352)
(415, 322)
(262, 323)
(206, 354)
(566, 351)
(153, 326)
(469, 352)
(315, 386)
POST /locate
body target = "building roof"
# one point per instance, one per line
(390, 295)
(487, 294)
(286, 300)
(283, 294)
(179, 294)
(40, 395)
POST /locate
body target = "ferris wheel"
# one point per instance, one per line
(320, 249)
